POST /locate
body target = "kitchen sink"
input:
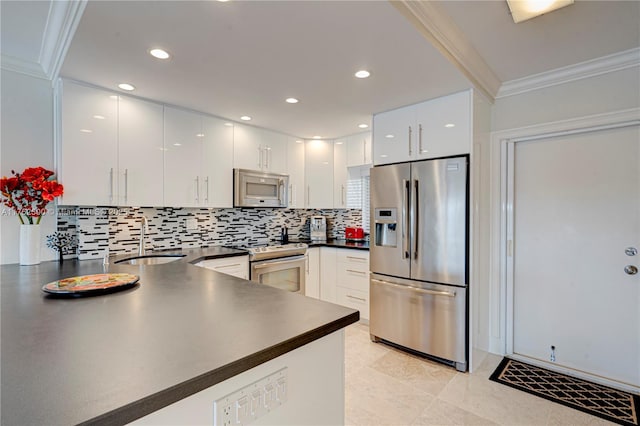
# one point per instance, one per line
(151, 259)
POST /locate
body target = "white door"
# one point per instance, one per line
(394, 134)
(216, 183)
(576, 209)
(318, 172)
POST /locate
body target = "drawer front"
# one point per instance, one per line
(237, 266)
(354, 299)
(353, 259)
(353, 278)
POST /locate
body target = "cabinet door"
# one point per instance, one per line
(446, 126)
(340, 175)
(216, 183)
(367, 148)
(394, 136)
(295, 166)
(312, 279)
(140, 152)
(318, 156)
(182, 157)
(274, 146)
(328, 274)
(247, 148)
(89, 146)
(355, 150)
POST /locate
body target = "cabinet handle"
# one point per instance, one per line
(227, 266)
(126, 185)
(267, 152)
(111, 185)
(290, 194)
(260, 156)
(420, 139)
(306, 258)
(356, 258)
(197, 189)
(356, 298)
(206, 194)
(308, 195)
(356, 272)
(410, 131)
(344, 201)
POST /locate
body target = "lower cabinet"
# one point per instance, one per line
(343, 278)
(312, 278)
(238, 266)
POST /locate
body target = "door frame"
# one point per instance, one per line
(502, 214)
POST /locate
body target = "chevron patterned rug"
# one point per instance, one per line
(610, 404)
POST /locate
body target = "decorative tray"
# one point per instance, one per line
(84, 284)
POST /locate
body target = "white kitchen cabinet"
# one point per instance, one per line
(198, 153)
(359, 149)
(111, 148)
(295, 163)
(319, 174)
(140, 152)
(328, 274)
(259, 149)
(340, 175)
(312, 278)
(238, 266)
(352, 280)
(436, 128)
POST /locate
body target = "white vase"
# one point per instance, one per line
(29, 244)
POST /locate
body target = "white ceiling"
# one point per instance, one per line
(246, 57)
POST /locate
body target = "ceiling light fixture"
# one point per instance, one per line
(200, 135)
(245, 118)
(339, 143)
(177, 144)
(86, 131)
(522, 10)
(126, 86)
(291, 100)
(298, 141)
(159, 53)
(449, 125)
(362, 74)
(317, 137)
(389, 136)
(228, 124)
(99, 117)
(363, 126)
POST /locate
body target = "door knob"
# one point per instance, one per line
(630, 270)
(631, 251)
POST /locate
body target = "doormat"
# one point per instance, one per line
(610, 404)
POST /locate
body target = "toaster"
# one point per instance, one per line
(354, 233)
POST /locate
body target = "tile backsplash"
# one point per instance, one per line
(118, 229)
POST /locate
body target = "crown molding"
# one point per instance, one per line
(63, 19)
(21, 66)
(591, 68)
(437, 27)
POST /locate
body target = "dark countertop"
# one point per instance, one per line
(347, 244)
(110, 359)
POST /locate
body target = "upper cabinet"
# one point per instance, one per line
(259, 149)
(198, 160)
(359, 149)
(110, 148)
(295, 162)
(340, 175)
(319, 174)
(436, 128)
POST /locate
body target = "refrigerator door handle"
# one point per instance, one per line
(416, 289)
(406, 188)
(415, 231)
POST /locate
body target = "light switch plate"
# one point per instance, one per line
(192, 224)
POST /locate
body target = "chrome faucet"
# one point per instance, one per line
(143, 225)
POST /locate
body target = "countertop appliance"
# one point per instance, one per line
(355, 234)
(318, 228)
(281, 266)
(255, 188)
(419, 257)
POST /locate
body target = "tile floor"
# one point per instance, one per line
(385, 386)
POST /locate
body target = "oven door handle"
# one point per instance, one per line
(270, 264)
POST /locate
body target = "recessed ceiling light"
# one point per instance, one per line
(200, 135)
(228, 124)
(291, 100)
(159, 53)
(362, 74)
(177, 144)
(99, 117)
(363, 126)
(298, 141)
(317, 137)
(126, 86)
(522, 10)
(245, 118)
(86, 131)
(389, 136)
(449, 125)
(163, 149)
(384, 155)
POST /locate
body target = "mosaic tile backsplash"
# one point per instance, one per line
(118, 229)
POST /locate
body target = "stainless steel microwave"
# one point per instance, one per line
(255, 188)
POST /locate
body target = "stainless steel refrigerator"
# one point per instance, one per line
(419, 257)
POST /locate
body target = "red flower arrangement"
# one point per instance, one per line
(29, 192)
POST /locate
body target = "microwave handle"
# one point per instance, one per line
(281, 192)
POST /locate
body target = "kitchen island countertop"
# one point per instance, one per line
(337, 243)
(113, 358)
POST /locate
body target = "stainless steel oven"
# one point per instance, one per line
(280, 266)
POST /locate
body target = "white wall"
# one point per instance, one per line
(26, 140)
(606, 93)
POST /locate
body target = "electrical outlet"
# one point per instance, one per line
(251, 402)
(192, 224)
